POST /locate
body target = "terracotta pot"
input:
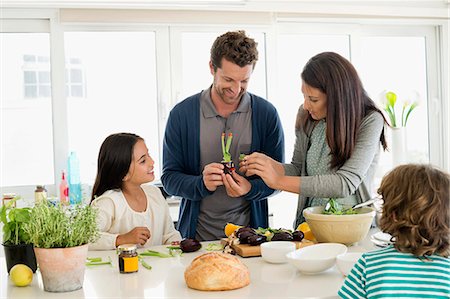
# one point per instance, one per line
(62, 269)
(20, 254)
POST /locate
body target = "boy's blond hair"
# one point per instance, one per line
(416, 209)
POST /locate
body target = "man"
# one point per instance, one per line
(192, 145)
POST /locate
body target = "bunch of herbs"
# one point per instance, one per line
(13, 220)
(59, 226)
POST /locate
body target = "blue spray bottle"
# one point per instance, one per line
(75, 195)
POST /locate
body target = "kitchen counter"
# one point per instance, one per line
(166, 280)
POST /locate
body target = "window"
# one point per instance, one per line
(120, 94)
(75, 83)
(26, 125)
(195, 54)
(36, 76)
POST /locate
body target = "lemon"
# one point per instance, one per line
(21, 275)
(304, 227)
(230, 228)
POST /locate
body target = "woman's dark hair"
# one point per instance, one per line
(416, 209)
(235, 47)
(347, 103)
(114, 159)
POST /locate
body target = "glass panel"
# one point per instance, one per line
(44, 77)
(29, 77)
(75, 76)
(293, 51)
(31, 91)
(26, 126)
(76, 91)
(44, 91)
(402, 70)
(121, 93)
(196, 76)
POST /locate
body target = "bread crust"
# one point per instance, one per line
(215, 271)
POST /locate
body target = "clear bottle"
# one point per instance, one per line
(64, 190)
(75, 195)
(40, 194)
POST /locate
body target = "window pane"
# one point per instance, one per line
(44, 91)
(402, 70)
(196, 47)
(292, 56)
(44, 77)
(76, 91)
(26, 126)
(121, 93)
(29, 77)
(75, 76)
(31, 91)
(29, 58)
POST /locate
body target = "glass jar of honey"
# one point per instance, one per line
(128, 258)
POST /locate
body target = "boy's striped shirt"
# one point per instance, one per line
(388, 273)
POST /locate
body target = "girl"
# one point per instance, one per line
(129, 212)
(416, 212)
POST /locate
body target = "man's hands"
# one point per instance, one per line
(138, 235)
(212, 176)
(235, 184)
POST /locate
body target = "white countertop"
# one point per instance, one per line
(166, 280)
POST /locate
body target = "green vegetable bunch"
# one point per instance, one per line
(226, 147)
(59, 226)
(389, 101)
(13, 220)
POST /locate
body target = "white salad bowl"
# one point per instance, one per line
(316, 258)
(275, 251)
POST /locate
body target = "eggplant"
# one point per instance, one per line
(243, 236)
(282, 236)
(190, 245)
(298, 235)
(256, 240)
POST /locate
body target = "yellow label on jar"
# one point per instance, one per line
(130, 264)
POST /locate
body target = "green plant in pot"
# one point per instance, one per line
(61, 236)
(16, 242)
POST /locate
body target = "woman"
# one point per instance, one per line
(338, 133)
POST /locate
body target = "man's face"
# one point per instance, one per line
(230, 81)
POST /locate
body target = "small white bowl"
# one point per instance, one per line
(346, 261)
(275, 251)
(316, 258)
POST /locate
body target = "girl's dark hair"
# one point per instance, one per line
(347, 103)
(114, 159)
(235, 47)
(416, 209)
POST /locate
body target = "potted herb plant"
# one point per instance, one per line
(16, 243)
(60, 236)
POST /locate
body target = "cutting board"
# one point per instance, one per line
(246, 250)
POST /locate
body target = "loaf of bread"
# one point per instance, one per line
(216, 272)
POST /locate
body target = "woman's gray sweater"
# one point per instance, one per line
(354, 177)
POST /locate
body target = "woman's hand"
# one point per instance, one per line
(138, 235)
(269, 170)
